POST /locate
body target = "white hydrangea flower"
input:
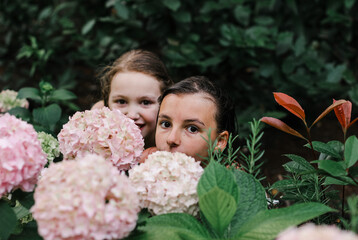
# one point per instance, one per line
(166, 183)
(8, 100)
(316, 232)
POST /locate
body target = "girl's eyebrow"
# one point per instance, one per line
(163, 116)
(118, 96)
(194, 121)
(186, 121)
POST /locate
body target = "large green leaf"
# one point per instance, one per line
(252, 199)
(31, 93)
(8, 220)
(172, 4)
(62, 94)
(267, 224)
(351, 151)
(218, 208)
(301, 162)
(216, 175)
(48, 115)
(173, 226)
(20, 112)
(334, 168)
(325, 148)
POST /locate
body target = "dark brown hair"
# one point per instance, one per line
(134, 61)
(225, 111)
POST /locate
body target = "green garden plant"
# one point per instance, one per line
(46, 113)
(317, 179)
(232, 206)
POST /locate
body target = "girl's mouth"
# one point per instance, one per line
(140, 125)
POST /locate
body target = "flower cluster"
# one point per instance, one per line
(22, 158)
(8, 100)
(166, 183)
(85, 199)
(49, 145)
(107, 133)
(313, 232)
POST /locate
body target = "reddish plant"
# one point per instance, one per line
(343, 113)
(295, 108)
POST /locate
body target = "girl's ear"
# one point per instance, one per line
(222, 140)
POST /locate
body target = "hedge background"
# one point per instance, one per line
(307, 49)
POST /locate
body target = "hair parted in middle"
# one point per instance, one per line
(137, 60)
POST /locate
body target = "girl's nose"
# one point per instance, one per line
(132, 112)
(174, 139)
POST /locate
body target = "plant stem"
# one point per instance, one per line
(310, 142)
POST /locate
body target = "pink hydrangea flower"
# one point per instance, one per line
(166, 183)
(105, 132)
(21, 156)
(314, 232)
(85, 199)
(8, 100)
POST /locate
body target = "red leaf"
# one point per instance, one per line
(274, 122)
(290, 104)
(330, 108)
(343, 113)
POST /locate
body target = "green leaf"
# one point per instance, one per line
(301, 162)
(349, 3)
(324, 148)
(252, 199)
(8, 220)
(351, 151)
(267, 224)
(336, 74)
(88, 26)
(216, 175)
(334, 168)
(182, 17)
(21, 211)
(62, 94)
(122, 10)
(338, 181)
(48, 115)
(174, 225)
(218, 208)
(29, 232)
(173, 5)
(287, 184)
(20, 112)
(31, 93)
(299, 46)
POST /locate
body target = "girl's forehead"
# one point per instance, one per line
(189, 105)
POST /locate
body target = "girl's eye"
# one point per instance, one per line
(146, 102)
(165, 124)
(193, 129)
(121, 101)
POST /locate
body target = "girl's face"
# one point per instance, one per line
(136, 95)
(183, 121)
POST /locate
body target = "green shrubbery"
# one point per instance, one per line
(251, 48)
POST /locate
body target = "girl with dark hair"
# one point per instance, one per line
(133, 84)
(188, 109)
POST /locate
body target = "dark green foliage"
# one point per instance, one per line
(251, 48)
